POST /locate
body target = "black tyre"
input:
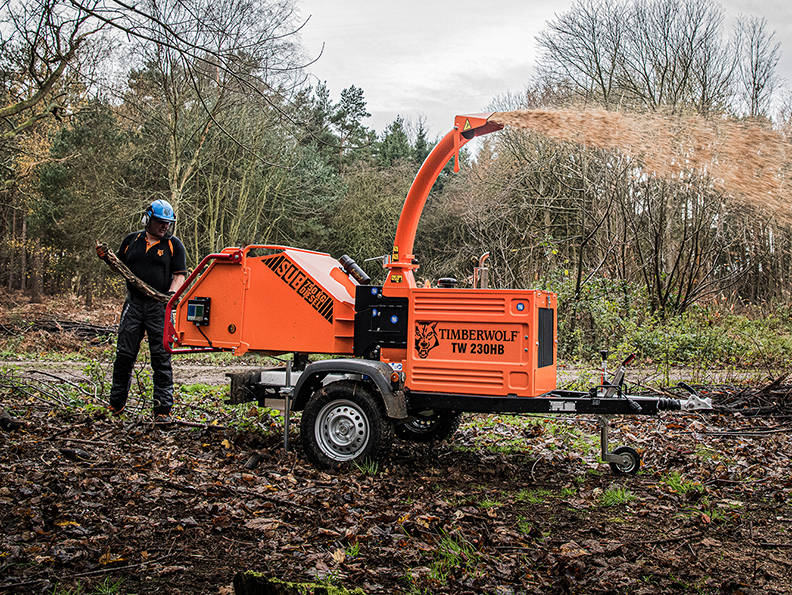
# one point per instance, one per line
(633, 464)
(344, 422)
(428, 426)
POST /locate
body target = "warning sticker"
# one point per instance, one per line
(295, 278)
(467, 125)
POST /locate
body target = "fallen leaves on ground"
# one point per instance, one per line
(511, 505)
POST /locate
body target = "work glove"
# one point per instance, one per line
(101, 251)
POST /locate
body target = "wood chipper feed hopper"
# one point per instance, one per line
(267, 299)
(417, 357)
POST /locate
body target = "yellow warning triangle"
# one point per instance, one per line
(467, 125)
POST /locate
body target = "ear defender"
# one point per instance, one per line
(147, 214)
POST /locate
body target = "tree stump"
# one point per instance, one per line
(256, 583)
(8, 423)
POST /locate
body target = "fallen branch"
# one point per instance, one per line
(82, 441)
(738, 433)
(190, 489)
(193, 424)
(24, 584)
(83, 330)
(114, 568)
(119, 267)
(254, 494)
(63, 380)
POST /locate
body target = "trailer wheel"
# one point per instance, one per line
(343, 422)
(429, 426)
(632, 466)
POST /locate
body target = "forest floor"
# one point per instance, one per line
(94, 504)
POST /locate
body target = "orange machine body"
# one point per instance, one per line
(479, 342)
(286, 300)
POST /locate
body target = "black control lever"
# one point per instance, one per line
(618, 378)
(688, 388)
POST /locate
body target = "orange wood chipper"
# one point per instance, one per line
(420, 357)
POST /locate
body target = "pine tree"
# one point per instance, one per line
(421, 146)
(347, 120)
(394, 146)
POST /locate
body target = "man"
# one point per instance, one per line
(158, 258)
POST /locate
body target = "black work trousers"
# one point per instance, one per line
(138, 316)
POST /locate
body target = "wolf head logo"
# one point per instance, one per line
(425, 338)
(160, 252)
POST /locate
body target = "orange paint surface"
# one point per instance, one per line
(476, 341)
(288, 300)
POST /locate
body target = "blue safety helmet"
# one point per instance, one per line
(160, 209)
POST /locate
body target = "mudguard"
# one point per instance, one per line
(378, 372)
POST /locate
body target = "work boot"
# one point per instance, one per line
(116, 410)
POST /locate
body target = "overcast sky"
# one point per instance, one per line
(438, 59)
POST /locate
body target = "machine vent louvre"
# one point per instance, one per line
(429, 303)
(546, 335)
(450, 378)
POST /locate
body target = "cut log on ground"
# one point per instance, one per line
(8, 423)
(255, 583)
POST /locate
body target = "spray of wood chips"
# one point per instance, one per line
(744, 160)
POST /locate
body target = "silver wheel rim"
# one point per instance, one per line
(629, 467)
(341, 430)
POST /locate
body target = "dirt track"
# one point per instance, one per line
(215, 375)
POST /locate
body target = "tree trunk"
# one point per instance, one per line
(36, 276)
(88, 284)
(11, 249)
(23, 257)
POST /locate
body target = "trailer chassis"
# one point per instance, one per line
(604, 401)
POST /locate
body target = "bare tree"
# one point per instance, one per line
(712, 69)
(583, 49)
(199, 60)
(759, 55)
(650, 54)
(39, 40)
(43, 44)
(677, 241)
(196, 60)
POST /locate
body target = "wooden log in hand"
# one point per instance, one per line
(119, 267)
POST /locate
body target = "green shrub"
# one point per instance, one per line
(614, 315)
